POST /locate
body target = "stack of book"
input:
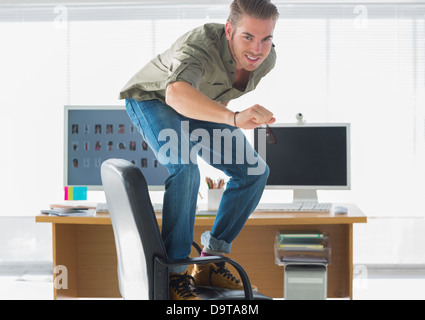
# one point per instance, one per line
(71, 209)
(302, 247)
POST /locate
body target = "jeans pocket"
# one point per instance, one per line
(132, 111)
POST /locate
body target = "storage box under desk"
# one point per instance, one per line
(309, 247)
(305, 282)
(305, 256)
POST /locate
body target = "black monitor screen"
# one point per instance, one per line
(94, 134)
(308, 155)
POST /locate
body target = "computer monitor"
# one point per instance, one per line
(96, 133)
(306, 157)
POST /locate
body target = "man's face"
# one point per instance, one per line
(250, 41)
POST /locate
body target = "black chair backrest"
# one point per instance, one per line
(137, 237)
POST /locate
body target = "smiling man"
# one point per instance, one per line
(192, 83)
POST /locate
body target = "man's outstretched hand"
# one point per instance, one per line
(253, 117)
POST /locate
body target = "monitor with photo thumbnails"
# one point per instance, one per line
(96, 133)
(306, 157)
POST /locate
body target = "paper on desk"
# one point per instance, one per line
(304, 259)
(74, 205)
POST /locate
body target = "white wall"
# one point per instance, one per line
(24, 241)
(31, 118)
(390, 241)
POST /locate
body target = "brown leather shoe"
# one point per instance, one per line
(211, 275)
(181, 287)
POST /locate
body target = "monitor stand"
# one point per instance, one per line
(305, 195)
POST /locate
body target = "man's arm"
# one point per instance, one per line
(192, 103)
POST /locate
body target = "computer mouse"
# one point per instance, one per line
(340, 210)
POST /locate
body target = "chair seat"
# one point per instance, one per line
(215, 293)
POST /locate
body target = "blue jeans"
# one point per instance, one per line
(168, 135)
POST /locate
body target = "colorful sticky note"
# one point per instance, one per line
(75, 193)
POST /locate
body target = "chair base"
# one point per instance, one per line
(215, 293)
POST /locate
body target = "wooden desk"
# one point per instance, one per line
(85, 245)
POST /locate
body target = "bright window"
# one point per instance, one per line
(362, 64)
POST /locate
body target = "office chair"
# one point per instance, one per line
(142, 259)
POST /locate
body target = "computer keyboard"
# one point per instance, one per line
(284, 207)
(103, 207)
(295, 207)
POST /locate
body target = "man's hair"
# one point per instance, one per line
(259, 9)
